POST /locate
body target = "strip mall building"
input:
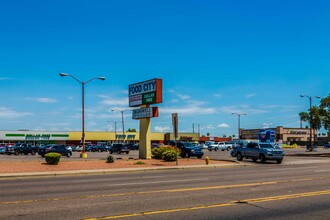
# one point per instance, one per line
(97, 137)
(287, 135)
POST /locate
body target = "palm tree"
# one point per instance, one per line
(304, 117)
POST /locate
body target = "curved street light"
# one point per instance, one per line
(83, 151)
(310, 127)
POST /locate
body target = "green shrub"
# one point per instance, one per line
(169, 155)
(110, 159)
(53, 158)
(157, 152)
(139, 163)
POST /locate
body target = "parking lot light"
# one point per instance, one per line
(83, 151)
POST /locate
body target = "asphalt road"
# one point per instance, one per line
(298, 188)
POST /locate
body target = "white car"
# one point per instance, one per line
(220, 146)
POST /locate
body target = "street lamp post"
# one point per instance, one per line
(122, 118)
(115, 127)
(310, 126)
(83, 151)
(239, 123)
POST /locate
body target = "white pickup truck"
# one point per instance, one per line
(220, 146)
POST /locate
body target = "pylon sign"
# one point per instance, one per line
(145, 93)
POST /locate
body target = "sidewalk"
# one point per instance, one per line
(301, 151)
(80, 167)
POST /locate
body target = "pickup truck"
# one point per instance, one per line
(261, 151)
(220, 146)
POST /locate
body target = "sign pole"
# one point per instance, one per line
(175, 132)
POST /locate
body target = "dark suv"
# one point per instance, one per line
(189, 150)
(119, 148)
(24, 149)
(61, 149)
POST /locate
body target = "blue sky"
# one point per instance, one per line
(215, 58)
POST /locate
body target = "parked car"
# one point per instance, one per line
(25, 149)
(61, 149)
(78, 148)
(9, 150)
(2, 150)
(189, 150)
(261, 151)
(119, 148)
(220, 146)
(326, 146)
(99, 148)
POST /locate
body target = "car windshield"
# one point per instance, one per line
(266, 146)
(188, 145)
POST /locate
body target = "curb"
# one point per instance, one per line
(108, 171)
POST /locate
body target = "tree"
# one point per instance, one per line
(304, 117)
(325, 112)
(208, 134)
(131, 130)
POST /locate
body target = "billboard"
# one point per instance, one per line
(145, 93)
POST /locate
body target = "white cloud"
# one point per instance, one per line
(241, 109)
(223, 125)
(210, 127)
(249, 95)
(8, 113)
(184, 97)
(266, 125)
(41, 100)
(114, 101)
(174, 100)
(269, 106)
(189, 110)
(217, 95)
(162, 129)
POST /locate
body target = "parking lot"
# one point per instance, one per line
(293, 156)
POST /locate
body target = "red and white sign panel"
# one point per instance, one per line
(145, 93)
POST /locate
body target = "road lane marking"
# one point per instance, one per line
(163, 191)
(232, 203)
(157, 182)
(117, 179)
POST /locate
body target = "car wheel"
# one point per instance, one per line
(199, 157)
(239, 157)
(279, 161)
(127, 152)
(119, 152)
(110, 151)
(187, 155)
(16, 153)
(69, 154)
(216, 149)
(254, 159)
(228, 148)
(210, 150)
(33, 152)
(262, 158)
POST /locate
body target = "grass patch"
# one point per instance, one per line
(139, 163)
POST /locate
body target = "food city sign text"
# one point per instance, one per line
(145, 93)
